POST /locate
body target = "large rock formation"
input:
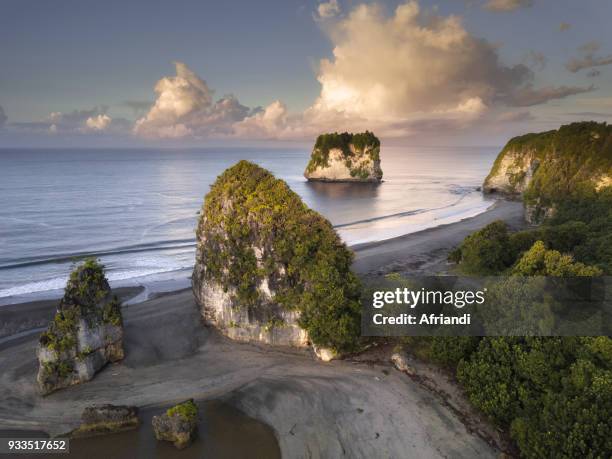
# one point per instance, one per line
(544, 168)
(270, 269)
(345, 158)
(85, 334)
(177, 425)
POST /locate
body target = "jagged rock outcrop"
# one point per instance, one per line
(270, 269)
(106, 419)
(85, 334)
(345, 158)
(546, 167)
(178, 424)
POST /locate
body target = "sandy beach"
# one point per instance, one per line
(344, 408)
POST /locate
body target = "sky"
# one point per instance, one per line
(78, 73)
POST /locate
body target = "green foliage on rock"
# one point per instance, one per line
(87, 284)
(553, 394)
(305, 262)
(570, 160)
(86, 288)
(538, 261)
(485, 252)
(578, 237)
(187, 411)
(365, 142)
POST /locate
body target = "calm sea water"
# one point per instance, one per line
(137, 209)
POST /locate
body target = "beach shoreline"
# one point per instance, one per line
(184, 359)
(149, 289)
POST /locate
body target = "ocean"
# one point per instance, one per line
(136, 210)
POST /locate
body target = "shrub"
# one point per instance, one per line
(538, 261)
(485, 252)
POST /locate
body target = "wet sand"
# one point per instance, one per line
(316, 409)
(425, 252)
(223, 432)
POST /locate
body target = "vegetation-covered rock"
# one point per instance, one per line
(549, 167)
(345, 158)
(553, 394)
(178, 424)
(85, 334)
(577, 239)
(106, 419)
(270, 269)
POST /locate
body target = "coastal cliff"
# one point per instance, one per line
(270, 269)
(85, 334)
(345, 158)
(545, 168)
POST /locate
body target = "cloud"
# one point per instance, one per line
(419, 65)
(98, 122)
(506, 5)
(529, 96)
(514, 117)
(139, 107)
(590, 47)
(185, 107)
(589, 60)
(593, 73)
(395, 74)
(535, 59)
(590, 114)
(95, 120)
(3, 117)
(329, 9)
(271, 122)
(564, 26)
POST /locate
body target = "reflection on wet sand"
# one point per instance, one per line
(335, 190)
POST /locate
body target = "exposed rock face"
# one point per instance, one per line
(544, 168)
(177, 425)
(345, 158)
(106, 419)
(269, 269)
(513, 174)
(85, 334)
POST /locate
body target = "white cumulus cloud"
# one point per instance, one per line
(395, 73)
(185, 107)
(98, 122)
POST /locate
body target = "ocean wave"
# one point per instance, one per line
(58, 283)
(410, 213)
(69, 257)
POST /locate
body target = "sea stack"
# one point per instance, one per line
(270, 269)
(546, 167)
(85, 334)
(177, 425)
(345, 158)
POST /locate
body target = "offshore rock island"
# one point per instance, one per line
(345, 158)
(270, 269)
(542, 168)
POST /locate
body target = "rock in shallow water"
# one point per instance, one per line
(178, 424)
(85, 334)
(106, 419)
